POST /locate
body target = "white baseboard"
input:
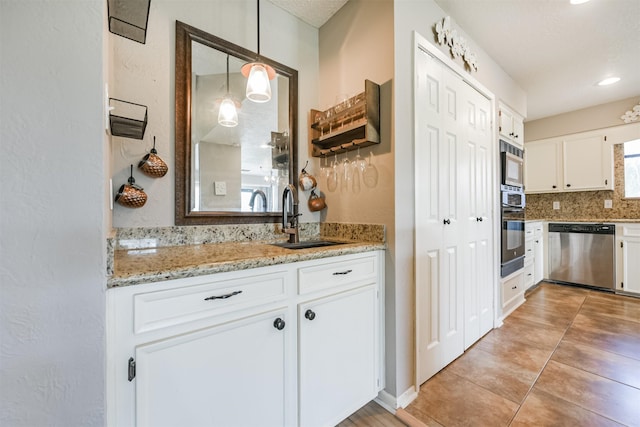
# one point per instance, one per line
(391, 403)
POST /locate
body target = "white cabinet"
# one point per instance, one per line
(512, 288)
(196, 379)
(581, 162)
(628, 256)
(454, 224)
(533, 251)
(240, 349)
(510, 125)
(337, 356)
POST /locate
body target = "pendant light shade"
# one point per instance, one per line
(258, 74)
(258, 86)
(228, 113)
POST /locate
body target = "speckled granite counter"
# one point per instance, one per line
(134, 260)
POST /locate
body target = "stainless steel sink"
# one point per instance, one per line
(307, 244)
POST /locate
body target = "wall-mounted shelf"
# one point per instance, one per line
(127, 119)
(129, 18)
(349, 125)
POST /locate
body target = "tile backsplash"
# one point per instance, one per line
(587, 205)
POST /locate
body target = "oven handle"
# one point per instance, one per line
(506, 205)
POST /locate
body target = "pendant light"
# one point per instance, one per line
(258, 74)
(228, 114)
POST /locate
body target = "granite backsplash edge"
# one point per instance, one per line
(153, 237)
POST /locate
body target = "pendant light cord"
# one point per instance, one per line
(227, 74)
(258, 9)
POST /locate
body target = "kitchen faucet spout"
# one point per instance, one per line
(290, 225)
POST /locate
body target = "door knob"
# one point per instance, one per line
(309, 314)
(278, 324)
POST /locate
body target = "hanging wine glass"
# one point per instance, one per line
(345, 173)
(370, 173)
(332, 179)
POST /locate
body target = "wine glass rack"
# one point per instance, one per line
(348, 125)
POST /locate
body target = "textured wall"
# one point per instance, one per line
(587, 205)
(144, 74)
(52, 210)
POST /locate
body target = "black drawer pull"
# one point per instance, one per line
(310, 314)
(515, 287)
(223, 296)
(342, 273)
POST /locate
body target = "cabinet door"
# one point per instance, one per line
(630, 265)
(231, 375)
(538, 259)
(518, 130)
(586, 167)
(542, 162)
(337, 345)
(506, 123)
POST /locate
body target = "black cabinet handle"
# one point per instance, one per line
(223, 296)
(446, 221)
(309, 314)
(479, 219)
(342, 273)
(568, 185)
(515, 287)
(553, 186)
(278, 324)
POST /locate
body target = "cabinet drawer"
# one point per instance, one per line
(155, 310)
(528, 250)
(511, 288)
(528, 276)
(339, 273)
(529, 230)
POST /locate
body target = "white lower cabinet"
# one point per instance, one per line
(513, 287)
(206, 378)
(337, 356)
(243, 349)
(628, 255)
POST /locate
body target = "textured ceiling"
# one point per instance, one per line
(554, 51)
(313, 12)
(557, 52)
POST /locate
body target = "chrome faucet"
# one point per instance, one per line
(253, 199)
(290, 201)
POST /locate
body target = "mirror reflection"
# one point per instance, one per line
(243, 167)
(228, 169)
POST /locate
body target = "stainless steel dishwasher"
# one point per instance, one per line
(582, 254)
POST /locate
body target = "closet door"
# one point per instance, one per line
(478, 271)
(439, 153)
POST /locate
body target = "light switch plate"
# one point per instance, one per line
(220, 188)
(608, 204)
(556, 205)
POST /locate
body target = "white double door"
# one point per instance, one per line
(454, 223)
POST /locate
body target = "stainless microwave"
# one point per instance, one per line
(512, 170)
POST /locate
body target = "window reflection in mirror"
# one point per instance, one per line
(632, 169)
(242, 168)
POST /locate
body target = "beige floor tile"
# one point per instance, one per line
(609, 365)
(603, 396)
(544, 410)
(453, 401)
(618, 336)
(503, 374)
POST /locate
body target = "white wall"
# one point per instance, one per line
(52, 213)
(144, 74)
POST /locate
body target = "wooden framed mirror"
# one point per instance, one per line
(230, 175)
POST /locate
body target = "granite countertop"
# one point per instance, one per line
(591, 220)
(147, 265)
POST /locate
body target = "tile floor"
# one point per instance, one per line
(567, 357)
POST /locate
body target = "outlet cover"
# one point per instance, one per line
(556, 205)
(608, 204)
(220, 188)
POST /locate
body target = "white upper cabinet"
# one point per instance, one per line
(511, 126)
(581, 162)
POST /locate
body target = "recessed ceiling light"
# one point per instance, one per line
(608, 81)
(578, 1)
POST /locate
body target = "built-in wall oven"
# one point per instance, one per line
(512, 209)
